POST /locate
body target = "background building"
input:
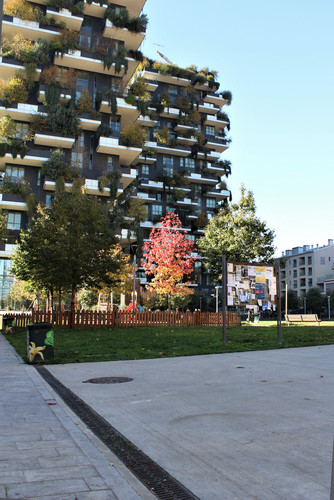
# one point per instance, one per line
(305, 267)
(81, 94)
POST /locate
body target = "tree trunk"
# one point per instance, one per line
(169, 303)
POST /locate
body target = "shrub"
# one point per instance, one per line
(228, 96)
(22, 9)
(41, 51)
(7, 127)
(85, 102)
(15, 90)
(133, 136)
(49, 75)
(103, 130)
(18, 47)
(56, 166)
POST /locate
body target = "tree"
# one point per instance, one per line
(237, 233)
(294, 302)
(315, 301)
(67, 246)
(167, 257)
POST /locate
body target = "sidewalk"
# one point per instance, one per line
(44, 454)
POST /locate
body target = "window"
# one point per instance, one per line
(48, 200)
(14, 221)
(115, 125)
(158, 197)
(169, 198)
(77, 159)
(211, 203)
(310, 271)
(309, 260)
(295, 274)
(168, 161)
(22, 130)
(156, 210)
(145, 169)
(38, 178)
(191, 237)
(209, 130)
(322, 260)
(173, 89)
(167, 170)
(110, 162)
(16, 174)
(189, 163)
(310, 282)
(295, 284)
(294, 262)
(82, 81)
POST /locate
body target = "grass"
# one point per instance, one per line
(111, 344)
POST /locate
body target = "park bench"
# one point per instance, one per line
(302, 318)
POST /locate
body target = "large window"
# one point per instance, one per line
(81, 83)
(156, 210)
(209, 130)
(145, 169)
(168, 161)
(211, 202)
(189, 163)
(14, 221)
(167, 170)
(16, 174)
(115, 125)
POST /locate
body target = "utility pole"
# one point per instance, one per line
(286, 298)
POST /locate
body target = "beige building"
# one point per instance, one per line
(302, 268)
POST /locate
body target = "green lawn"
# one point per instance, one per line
(109, 344)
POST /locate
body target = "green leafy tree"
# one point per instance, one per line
(237, 233)
(67, 246)
(315, 301)
(294, 302)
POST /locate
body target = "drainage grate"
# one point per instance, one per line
(155, 478)
(107, 380)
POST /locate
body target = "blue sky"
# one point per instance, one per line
(277, 60)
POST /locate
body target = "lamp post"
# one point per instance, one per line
(217, 288)
(304, 305)
(329, 306)
(134, 248)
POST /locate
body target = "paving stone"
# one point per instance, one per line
(31, 490)
(60, 473)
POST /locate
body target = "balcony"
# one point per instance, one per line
(220, 146)
(8, 250)
(12, 202)
(63, 99)
(145, 197)
(161, 148)
(29, 29)
(148, 160)
(170, 113)
(208, 109)
(131, 40)
(201, 179)
(151, 87)
(92, 187)
(134, 6)
(9, 67)
(80, 62)
(21, 112)
(216, 169)
(72, 22)
(186, 141)
(126, 237)
(111, 146)
(89, 124)
(56, 141)
(128, 113)
(152, 185)
(35, 158)
(186, 202)
(219, 193)
(209, 156)
(214, 122)
(183, 128)
(94, 9)
(216, 99)
(157, 77)
(145, 121)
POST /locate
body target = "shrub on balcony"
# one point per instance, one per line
(13, 146)
(14, 90)
(103, 130)
(17, 47)
(74, 6)
(56, 165)
(85, 102)
(7, 127)
(22, 9)
(139, 88)
(123, 20)
(133, 136)
(41, 52)
(164, 136)
(227, 95)
(137, 55)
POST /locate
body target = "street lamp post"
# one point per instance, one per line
(134, 247)
(329, 306)
(217, 288)
(304, 305)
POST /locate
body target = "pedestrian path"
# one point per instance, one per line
(44, 453)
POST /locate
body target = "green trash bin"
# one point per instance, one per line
(8, 324)
(40, 342)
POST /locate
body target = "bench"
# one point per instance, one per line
(302, 318)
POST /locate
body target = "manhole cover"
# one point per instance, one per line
(108, 380)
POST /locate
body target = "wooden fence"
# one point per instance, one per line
(123, 319)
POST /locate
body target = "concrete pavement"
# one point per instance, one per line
(44, 453)
(252, 425)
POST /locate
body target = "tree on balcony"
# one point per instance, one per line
(237, 233)
(167, 258)
(133, 136)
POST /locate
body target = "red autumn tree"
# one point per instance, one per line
(167, 257)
